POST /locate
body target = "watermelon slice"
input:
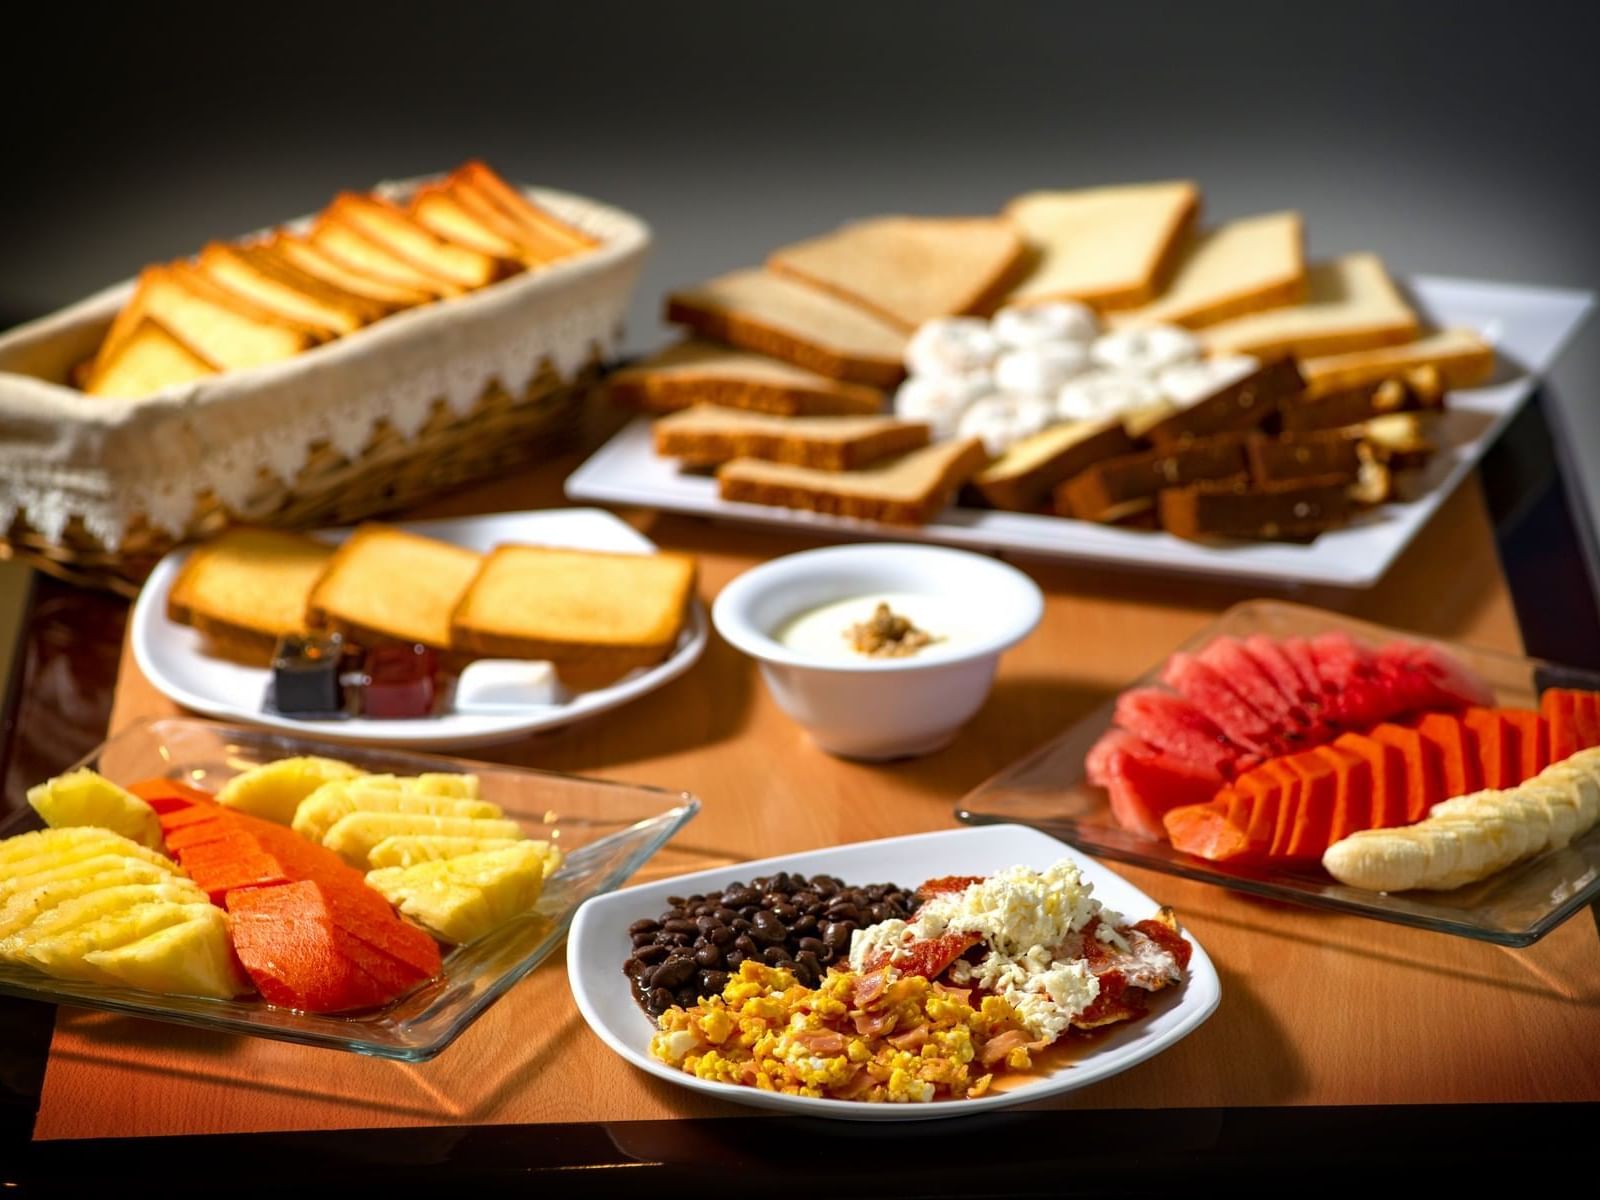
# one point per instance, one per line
(1305, 694)
(1174, 725)
(1450, 684)
(1355, 694)
(1298, 651)
(1228, 657)
(1210, 692)
(1143, 788)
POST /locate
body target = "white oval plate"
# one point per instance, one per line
(169, 654)
(598, 944)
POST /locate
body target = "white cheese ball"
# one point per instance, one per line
(1002, 420)
(1188, 383)
(1146, 349)
(940, 401)
(948, 347)
(1100, 394)
(1040, 370)
(1037, 324)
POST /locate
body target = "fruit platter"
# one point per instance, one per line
(1292, 753)
(374, 902)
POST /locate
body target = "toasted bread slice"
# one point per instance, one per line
(301, 254)
(596, 616)
(235, 270)
(438, 208)
(1242, 404)
(1461, 357)
(706, 435)
(147, 359)
(695, 372)
(537, 222)
(387, 583)
(910, 490)
(1236, 508)
(247, 588)
(908, 270)
(786, 319)
(1241, 267)
(1022, 478)
(393, 227)
(1350, 304)
(1117, 488)
(1112, 247)
(536, 245)
(354, 250)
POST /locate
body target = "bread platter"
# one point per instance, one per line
(172, 657)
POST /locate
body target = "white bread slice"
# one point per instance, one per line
(786, 319)
(706, 435)
(1351, 304)
(246, 588)
(1241, 267)
(909, 270)
(1112, 247)
(695, 372)
(318, 263)
(595, 615)
(910, 490)
(394, 228)
(352, 247)
(1462, 358)
(149, 358)
(386, 582)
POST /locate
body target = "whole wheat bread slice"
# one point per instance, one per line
(707, 435)
(695, 372)
(1022, 479)
(1351, 304)
(1241, 267)
(910, 490)
(1462, 358)
(774, 315)
(909, 270)
(1112, 247)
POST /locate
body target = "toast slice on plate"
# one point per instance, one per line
(386, 583)
(707, 435)
(246, 588)
(781, 317)
(910, 490)
(1461, 357)
(1351, 304)
(908, 270)
(695, 372)
(1241, 267)
(1112, 247)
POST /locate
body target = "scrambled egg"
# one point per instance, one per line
(912, 1043)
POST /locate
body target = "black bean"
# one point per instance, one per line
(644, 926)
(643, 939)
(787, 913)
(650, 954)
(673, 972)
(775, 956)
(768, 928)
(844, 911)
(708, 956)
(734, 958)
(739, 897)
(726, 915)
(635, 969)
(812, 945)
(804, 976)
(712, 982)
(747, 945)
(836, 934)
(804, 925)
(661, 999)
(880, 912)
(680, 925)
(720, 936)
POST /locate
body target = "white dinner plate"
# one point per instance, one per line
(170, 656)
(1528, 327)
(599, 944)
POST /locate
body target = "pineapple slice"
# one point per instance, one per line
(274, 790)
(62, 844)
(407, 850)
(28, 904)
(94, 906)
(352, 837)
(461, 899)
(191, 958)
(79, 863)
(84, 798)
(65, 955)
(322, 811)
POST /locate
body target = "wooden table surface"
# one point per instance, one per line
(1316, 1008)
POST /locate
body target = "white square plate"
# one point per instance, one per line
(598, 945)
(170, 656)
(1528, 327)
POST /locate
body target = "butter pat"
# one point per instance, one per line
(498, 685)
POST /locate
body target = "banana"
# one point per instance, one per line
(1469, 838)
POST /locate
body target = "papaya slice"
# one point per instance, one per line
(1457, 747)
(1352, 800)
(1313, 815)
(1388, 768)
(289, 946)
(169, 795)
(1499, 752)
(1289, 799)
(1424, 776)
(1533, 741)
(1586, 711)
(1559, 708)
(1207, 830)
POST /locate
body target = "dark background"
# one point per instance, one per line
(1456, 139)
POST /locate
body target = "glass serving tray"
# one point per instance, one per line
(1515, 907)
(606, 831)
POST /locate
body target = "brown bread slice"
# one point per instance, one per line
(1240, 509)
(707, 435)
(1240, 405)
(1241, 267)
(1419, 391)
(695, 372)
(1290, 456)
(149, 358)
(908, 270)
(903, 491)
(1461, 358)
(1022, 478)
(781, 317)
(1119, 487)
(1351, 304)
(1113, 247)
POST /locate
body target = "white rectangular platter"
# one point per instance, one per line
(1528, 326)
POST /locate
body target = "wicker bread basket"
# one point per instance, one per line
(95, 490)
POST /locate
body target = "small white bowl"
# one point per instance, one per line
(879, 708)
